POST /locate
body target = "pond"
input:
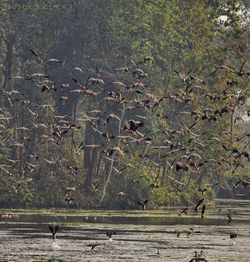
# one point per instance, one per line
(150, 235)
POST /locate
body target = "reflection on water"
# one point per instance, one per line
(24, 235)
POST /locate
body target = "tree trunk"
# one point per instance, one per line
(88, 156)
(9, 63)
(112, 161)
(164, 172)
(8, 85)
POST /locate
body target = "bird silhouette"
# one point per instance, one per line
(198, 204)
(110, 234)
(198, 257)
(142, 203)
(182, 211)
(93, 246)
(203, 211)
(233, 235)
(53, 230)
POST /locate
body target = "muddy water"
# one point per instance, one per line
(24, 235)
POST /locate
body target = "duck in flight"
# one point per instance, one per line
(93, 245)
(54, 230)
(198, 257)
(142, 203)
(233, 236)
(110, 234)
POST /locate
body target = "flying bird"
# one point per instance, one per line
(198, 204)
(93, 246)
(203, 211)
(37, 56)
(142, 203)
(53, 230)
(110, 234)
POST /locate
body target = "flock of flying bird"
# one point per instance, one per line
(121, 124)
(121, 119)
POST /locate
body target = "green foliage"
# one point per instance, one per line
(179, 35)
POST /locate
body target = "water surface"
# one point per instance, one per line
(24, 234)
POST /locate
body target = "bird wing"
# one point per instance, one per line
(51, 229)
(56, 228)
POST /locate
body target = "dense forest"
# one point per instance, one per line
(111, 103)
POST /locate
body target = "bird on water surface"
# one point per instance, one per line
(233, 236)
(53, 230)
(110, 234)
(198, 257)
(93, 245)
